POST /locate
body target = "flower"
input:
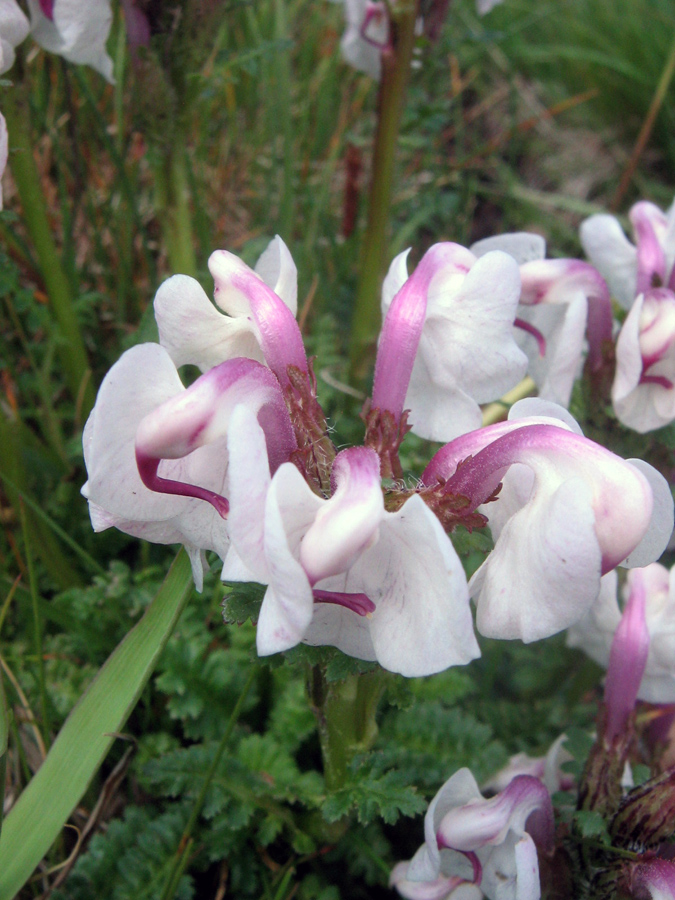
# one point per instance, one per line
(75, 29)
(595, 632)
(344, 571)
(366, 35)
(447, 339)
(569, 511)
(14, 28)
(4, 149)
(156, 452)
(547, 769)
(486, 842)
(560, 300)
(259, 306)
(643, 392)
(633, 269)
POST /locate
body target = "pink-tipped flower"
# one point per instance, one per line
(259, 306)
(447, 340)
(568, 512)
(643, 392)
(344, 571)
(653, 880)
(14, 28)
(490, 843)
(594, 634)
(561, 301)
(4, 149)
(633, 269)
(156, 452)
(547, 769)
(75, 29)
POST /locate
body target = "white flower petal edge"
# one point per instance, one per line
(79, 32)
(612, 254)
(14, 28)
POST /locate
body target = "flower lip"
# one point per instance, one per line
(651, 259)
(536, 334)
(47, 7)
(358, 603)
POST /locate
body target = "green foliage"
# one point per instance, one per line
(590, 824)
(374, 794)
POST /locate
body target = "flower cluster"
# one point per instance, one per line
(241, 463)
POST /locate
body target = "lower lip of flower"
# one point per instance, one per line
(358, 603)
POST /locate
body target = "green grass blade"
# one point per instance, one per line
(43, 808)
(4, 741)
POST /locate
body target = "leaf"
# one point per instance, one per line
(242, 602)
(592, 825)
(374, 795)
(43, 808)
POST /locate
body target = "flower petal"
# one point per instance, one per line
(78, 32)
(277, 269)
(523, 246)
(612, 254)
(193, 331)
(14, 28)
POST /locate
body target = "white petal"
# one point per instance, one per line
(523, 246)
(563, 327)
(593, 633)
(612, 254)
(279, 272)
(79, 32)
(288, 605)
(14, 28)
(660, 527)
(193, 331)
(394, 280)
(544, 572)
(422, 623)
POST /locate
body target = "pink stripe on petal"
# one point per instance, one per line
(147, 469)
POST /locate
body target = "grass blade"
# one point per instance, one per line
(82, 744)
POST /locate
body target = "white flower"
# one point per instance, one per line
(343, 571)
(486, 842)
(568, 512)
(643, 392)
(14, 28)
(447, 339)
(595, 632)
(632, 269)
(156, 452)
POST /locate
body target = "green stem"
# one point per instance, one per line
(59, 290)
(282, 78)
(391, 101)
(345, 712)
(173, 206)
(186, 838)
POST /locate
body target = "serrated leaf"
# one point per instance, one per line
(374, 796)
(592, 825)
(242, 602)
(342, 666)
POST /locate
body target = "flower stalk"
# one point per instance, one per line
(345, 712)
(396, 61)
(172, 197)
